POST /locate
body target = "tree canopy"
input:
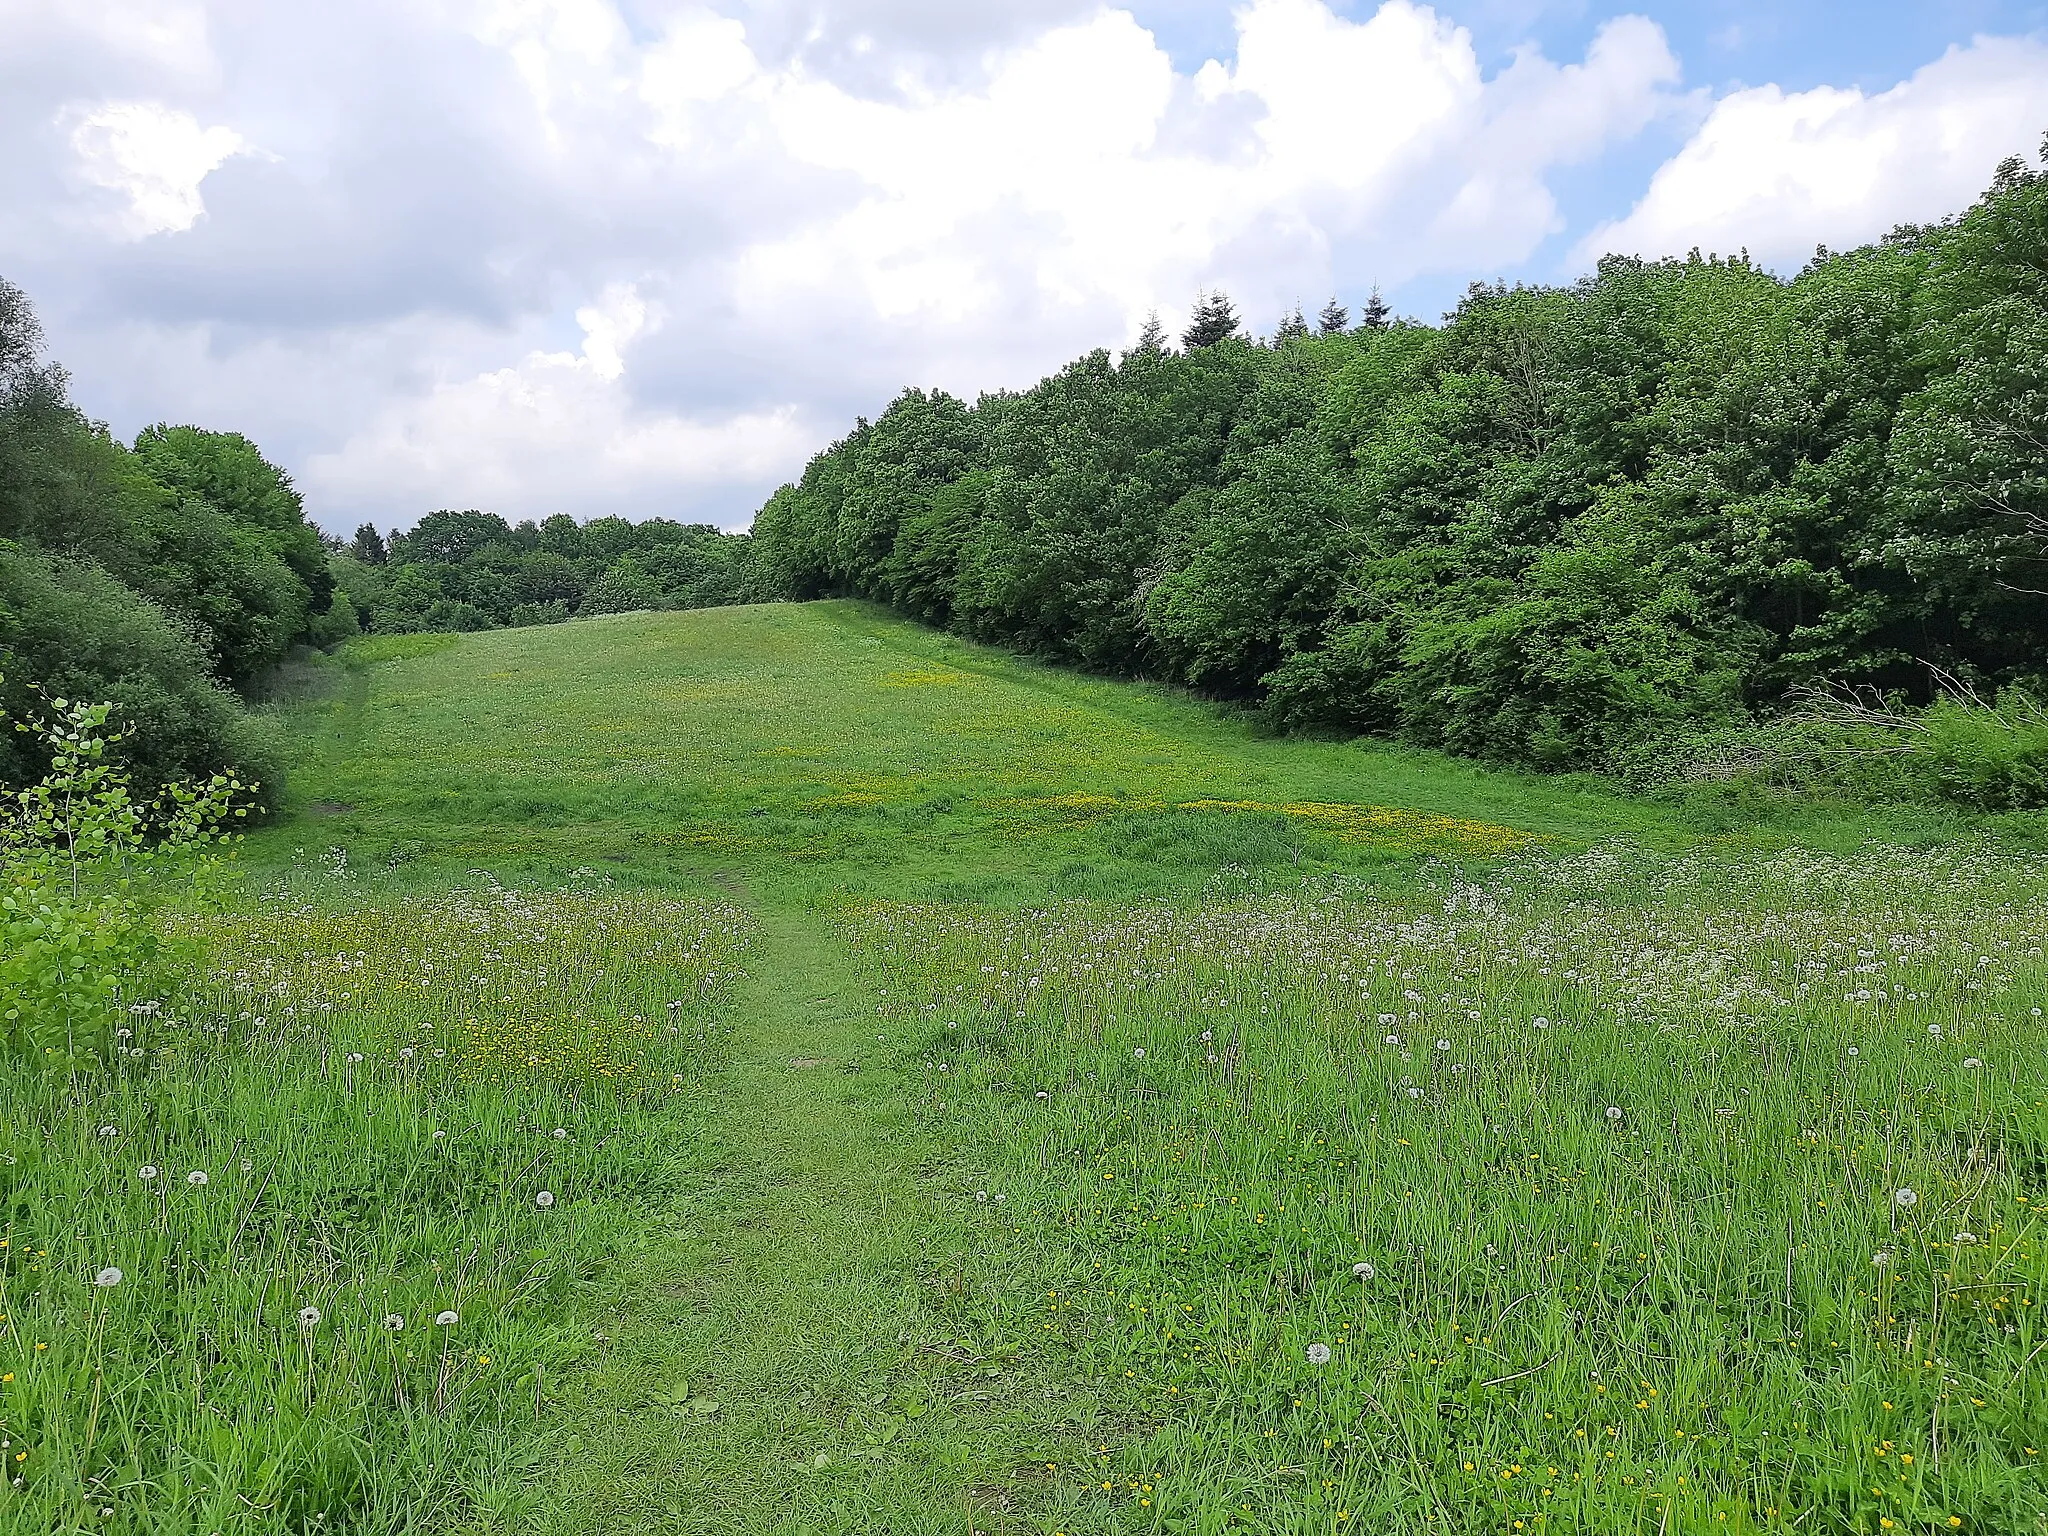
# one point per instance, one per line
(1553, 529)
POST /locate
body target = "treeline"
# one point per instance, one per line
(473, 570)
(1568, 527)
(164, 577)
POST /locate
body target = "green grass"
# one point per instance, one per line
(899, 1231)
(831, 747)
(1621, 1153)
(451, 1105)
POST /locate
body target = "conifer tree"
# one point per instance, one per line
(1215, 318)
(369, 545)
(1375, 314)
(1153, 337)
(1334, 319)
(1292, 327)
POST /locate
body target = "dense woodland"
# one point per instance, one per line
(1599, 526)
(1565, 528)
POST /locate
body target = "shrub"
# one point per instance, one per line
(1962, 749)
(70, 630)
(83, 966)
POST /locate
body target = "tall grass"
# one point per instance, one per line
(314, 1254)
(1600, 1194)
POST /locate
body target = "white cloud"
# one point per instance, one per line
(1778, 172)
(552, 433)
(1335, 143)
(155, 158)
(762, 216)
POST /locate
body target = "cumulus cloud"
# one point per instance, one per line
(154, 159)
(1779, 172)
(554, 433)
(645, 255)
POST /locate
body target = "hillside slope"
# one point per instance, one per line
(831, 737)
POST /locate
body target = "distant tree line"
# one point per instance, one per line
(1559, 528)
(473, 570)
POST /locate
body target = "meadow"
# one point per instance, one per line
(836, 1078)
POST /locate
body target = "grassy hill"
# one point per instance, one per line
(834, 744)
(834, 1078)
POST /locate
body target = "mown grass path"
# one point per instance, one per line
(786, 1290)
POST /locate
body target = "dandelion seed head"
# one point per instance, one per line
(196, 1177)
(148, 1172)
(107, 1278)
(1905, 1199)
(1319, 1354)
(393, 1322)
(309, 1317)
(1614, 1112)
(1363, 1271)
(545, 1199)
(448, 1319)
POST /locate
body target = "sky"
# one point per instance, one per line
(644, 257)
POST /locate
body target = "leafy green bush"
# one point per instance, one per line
(68, 629)
(1965, 750)
(83, 965)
